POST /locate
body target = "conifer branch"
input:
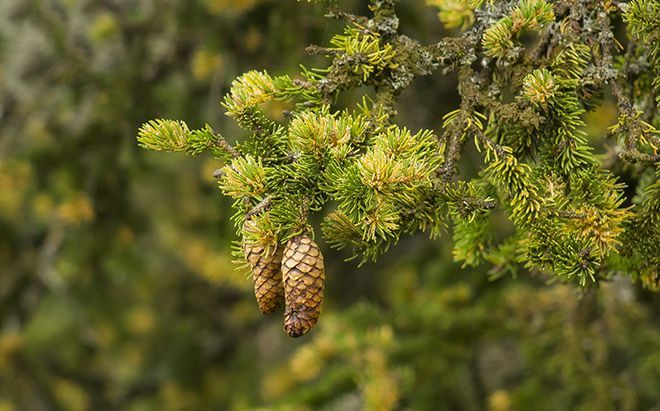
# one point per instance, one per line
(383, 181)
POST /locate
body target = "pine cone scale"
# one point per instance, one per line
(304, 276)
(267, 276)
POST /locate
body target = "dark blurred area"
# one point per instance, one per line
(117, 289)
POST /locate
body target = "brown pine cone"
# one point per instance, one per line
(267, 276)
(303, 274)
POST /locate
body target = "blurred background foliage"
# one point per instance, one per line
(117, 289)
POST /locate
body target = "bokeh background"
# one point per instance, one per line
(117, 290)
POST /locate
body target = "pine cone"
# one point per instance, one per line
(304, 276)
(267, 276)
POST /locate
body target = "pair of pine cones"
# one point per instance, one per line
(294, 273)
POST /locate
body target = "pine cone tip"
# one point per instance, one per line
(298, 323)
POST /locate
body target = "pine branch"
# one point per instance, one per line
(382, 181)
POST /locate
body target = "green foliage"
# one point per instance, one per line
(244, 178)
(527, 15)
(500, 352)
(362, 52)
(456, 13)
(117, 289)
(385, 181)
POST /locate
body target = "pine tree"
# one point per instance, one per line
(571, 217)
